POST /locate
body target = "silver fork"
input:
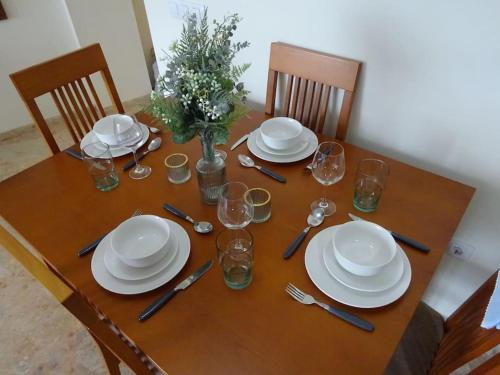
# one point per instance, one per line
(307, 299)
(91, 247)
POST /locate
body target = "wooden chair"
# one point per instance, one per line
(433, 346)
(117, 347)
(311, 76)
(68, 80)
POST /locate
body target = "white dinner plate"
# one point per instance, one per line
(316, 269)
(91, 137)
(386, 279)
(294, 150)
(309, 137)
(125, 272)
(116, 285)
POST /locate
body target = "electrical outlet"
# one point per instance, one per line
(461, 249)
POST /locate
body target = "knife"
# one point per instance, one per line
(74, 153)
(400, 237)
(160, 302)
(242, 139)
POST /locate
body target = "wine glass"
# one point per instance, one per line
(235, 207)
(130, 136)
(328, 168)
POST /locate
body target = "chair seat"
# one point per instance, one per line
(419, 344)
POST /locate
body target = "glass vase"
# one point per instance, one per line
(210, 170)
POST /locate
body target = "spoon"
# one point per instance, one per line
(246, 161)
(153, 130)
(199, 226)
(153, 145)
(314, 219)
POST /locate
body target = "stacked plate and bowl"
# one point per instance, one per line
(282, 140)
(358, 264)
(104, 131)
(141, 254)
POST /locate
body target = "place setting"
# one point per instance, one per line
(280, 140)
(141, 254)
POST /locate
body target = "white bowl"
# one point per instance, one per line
(363, 248)
(281, 133)
(104, 128)
(141, 241)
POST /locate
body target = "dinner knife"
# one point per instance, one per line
(399, 237)
(74, 153)
(242, 139)
(160, 302)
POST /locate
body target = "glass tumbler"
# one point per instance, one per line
(371, 177)
(261, 199)
(177, 168)
(99, 161)
(235, 255)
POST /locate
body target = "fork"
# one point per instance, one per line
(307, 299)
(90, 247)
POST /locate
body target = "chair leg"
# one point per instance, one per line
(112, 362)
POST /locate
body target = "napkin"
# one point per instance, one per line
(492, 315)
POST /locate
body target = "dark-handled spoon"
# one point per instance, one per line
(248, 162)
(199, 226)
(153, 145)
(314, 219)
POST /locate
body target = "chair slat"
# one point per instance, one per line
(295, 96)
(308, 104)
(90, 105)
(76, 108)
(94, 94)
(69, 111)
(288, 96)
(86, 113)
(301, 99)
(322, 109)
(315, 106)
(64, 115)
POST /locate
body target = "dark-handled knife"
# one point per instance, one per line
(271, 174)
(160, 302)
(326, 152)
(90, 247)
(399, 237)
(74, 153)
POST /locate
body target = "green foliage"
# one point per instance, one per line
(200, 92)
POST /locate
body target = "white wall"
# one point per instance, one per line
(33, 32)
(429, 94)
(36, 31)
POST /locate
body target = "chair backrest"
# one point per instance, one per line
(311, 77)
(464, 339)
(68, 80)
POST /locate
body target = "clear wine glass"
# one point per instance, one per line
(234, 208)
(328, 168)
(130, 136)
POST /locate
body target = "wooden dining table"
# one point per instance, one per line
(210, 328)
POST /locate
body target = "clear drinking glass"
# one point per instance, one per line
(328, 168)
(100, 164)
(371, 177)
(235, 255)
(261, 199)
(178, 170)
(130, 137)
(234, 208)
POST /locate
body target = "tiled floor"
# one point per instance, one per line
(37, 335)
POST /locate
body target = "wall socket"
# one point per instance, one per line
(461, 249)
(180, 9)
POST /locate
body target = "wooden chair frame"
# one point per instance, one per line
(67, 79)
(311, 77)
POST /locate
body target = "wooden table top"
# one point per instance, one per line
(209, 328)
